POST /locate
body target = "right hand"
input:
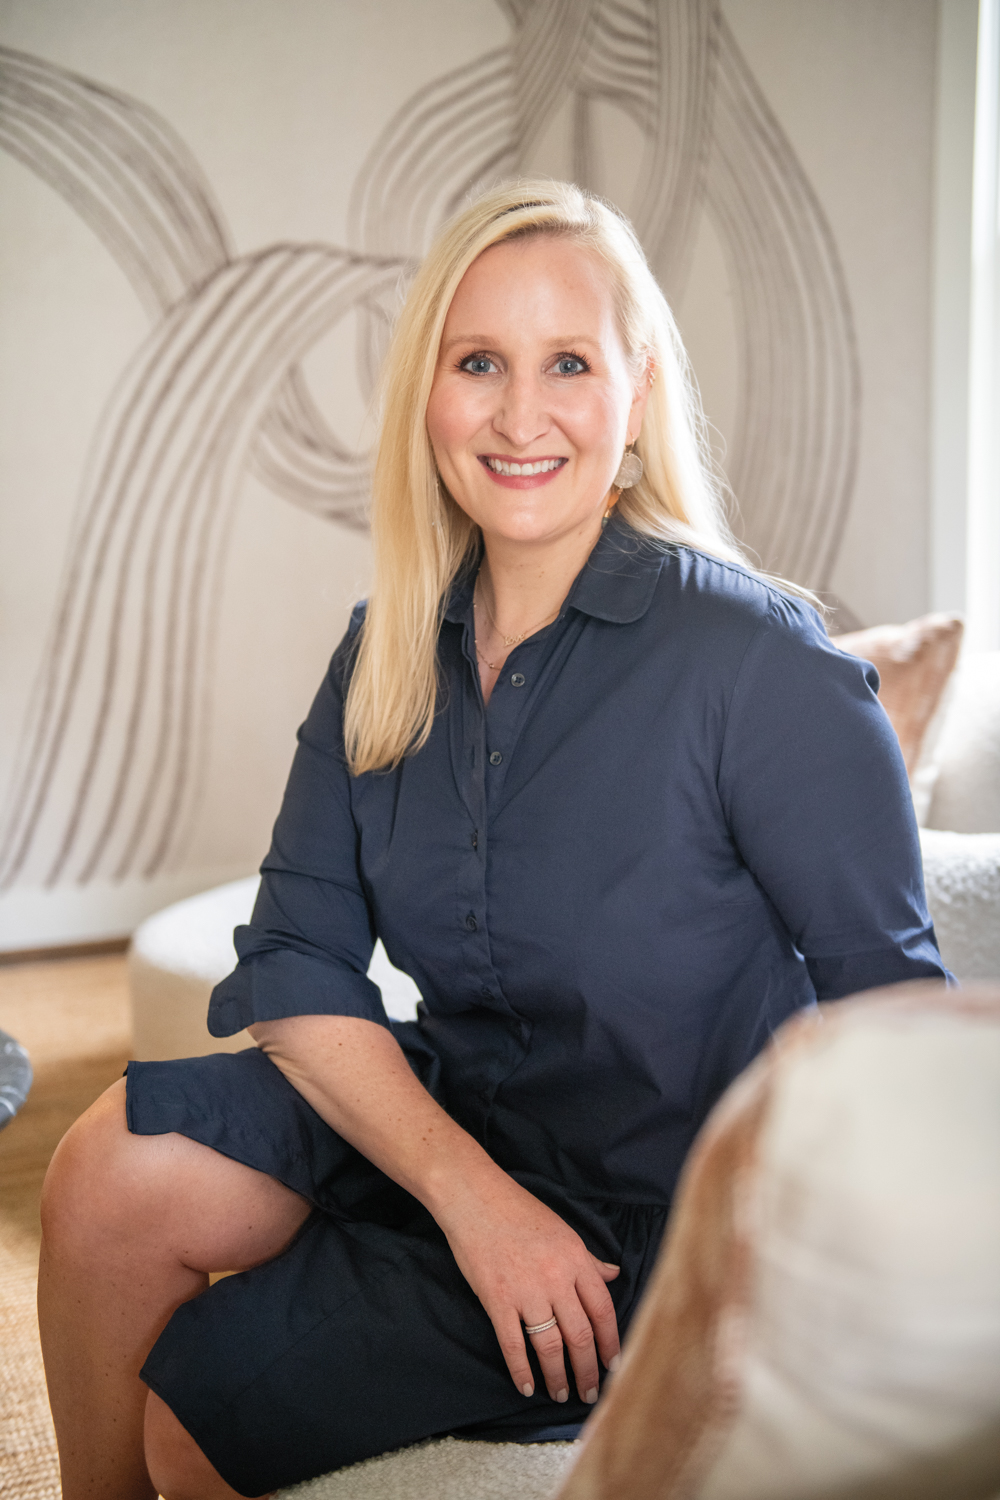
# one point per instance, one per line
(525, 1265)
(523, 1262)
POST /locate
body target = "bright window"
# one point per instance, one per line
(983, 515)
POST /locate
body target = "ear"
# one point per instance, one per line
(638, 408)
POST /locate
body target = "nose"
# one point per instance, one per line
(521, 415)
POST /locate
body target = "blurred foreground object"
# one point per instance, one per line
(825, 1317)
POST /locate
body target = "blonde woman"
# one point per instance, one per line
(615, 803)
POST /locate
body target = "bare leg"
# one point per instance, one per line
(177, 1466)
(131, 1227)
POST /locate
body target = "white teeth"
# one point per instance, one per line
(542, 467)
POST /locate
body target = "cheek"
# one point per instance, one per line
(454, 416)
(596, 419)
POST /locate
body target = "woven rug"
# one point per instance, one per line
(72, 1016)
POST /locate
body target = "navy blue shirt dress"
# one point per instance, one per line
(682, 816)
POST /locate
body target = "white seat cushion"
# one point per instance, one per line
(962, 877)
(446, 1470)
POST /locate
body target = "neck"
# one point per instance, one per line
(523, 583)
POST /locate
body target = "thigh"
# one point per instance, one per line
(360, 1338)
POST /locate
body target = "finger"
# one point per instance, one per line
(510, 1337)
(548, 1345)
(578, 1339)
(606, 1268)
(597, 1304)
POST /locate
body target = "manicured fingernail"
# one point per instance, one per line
(615, 1362)
(527, 1390)
(562, 1395)
(591, 1395)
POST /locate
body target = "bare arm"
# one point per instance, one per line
(522, 1261)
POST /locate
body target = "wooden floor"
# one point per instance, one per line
(72, 1015)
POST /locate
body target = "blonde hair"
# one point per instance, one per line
(422, 538)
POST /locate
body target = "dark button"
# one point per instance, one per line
(486, 994)
(517, 679)
(475, 838)
(471, 922)
(496, 758)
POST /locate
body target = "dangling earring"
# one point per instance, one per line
(629, 473)
(629, 470)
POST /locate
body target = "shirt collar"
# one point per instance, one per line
(615, 584)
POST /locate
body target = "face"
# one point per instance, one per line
(533, 402)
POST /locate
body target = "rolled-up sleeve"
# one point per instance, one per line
(815, 794)
(307, 948)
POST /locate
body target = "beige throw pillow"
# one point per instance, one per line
(824, 1320)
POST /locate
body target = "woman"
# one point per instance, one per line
(615, 803)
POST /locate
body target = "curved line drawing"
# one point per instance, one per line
(110, 765)
(123, 169)
(794, 451)
(122, 701)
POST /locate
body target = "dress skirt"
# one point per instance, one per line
(363, 1336)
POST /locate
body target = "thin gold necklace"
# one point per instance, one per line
(510, 641)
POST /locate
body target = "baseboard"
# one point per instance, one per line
(47, 922)
(63, 950)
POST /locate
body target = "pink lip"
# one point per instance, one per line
(522, 481)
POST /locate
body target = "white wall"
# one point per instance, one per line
(280, 102)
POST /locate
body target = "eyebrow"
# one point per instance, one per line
(483, 340)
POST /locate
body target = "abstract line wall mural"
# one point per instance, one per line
(118, 721)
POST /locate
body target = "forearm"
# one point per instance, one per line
(357, 1079)
(522, 1261)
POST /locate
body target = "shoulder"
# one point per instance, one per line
(727, 603)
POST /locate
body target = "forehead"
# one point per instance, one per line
(546, 281)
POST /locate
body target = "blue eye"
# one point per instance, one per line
(570, 364)
(478, 364)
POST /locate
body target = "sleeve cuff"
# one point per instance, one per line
(272, 982)
(844, 974)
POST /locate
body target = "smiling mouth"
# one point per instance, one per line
(511, 469)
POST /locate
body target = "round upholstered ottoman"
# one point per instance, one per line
(179, 955)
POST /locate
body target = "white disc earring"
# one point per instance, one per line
(629, 470)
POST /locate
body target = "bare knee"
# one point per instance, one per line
(84, 1185)
(109, 1193)
(177, 1466)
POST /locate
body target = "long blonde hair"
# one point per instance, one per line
(422, 538)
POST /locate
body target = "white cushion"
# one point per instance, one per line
(179, 955)
(873, 1345)
(446, 1469)
(962, 877)
(966, 795)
